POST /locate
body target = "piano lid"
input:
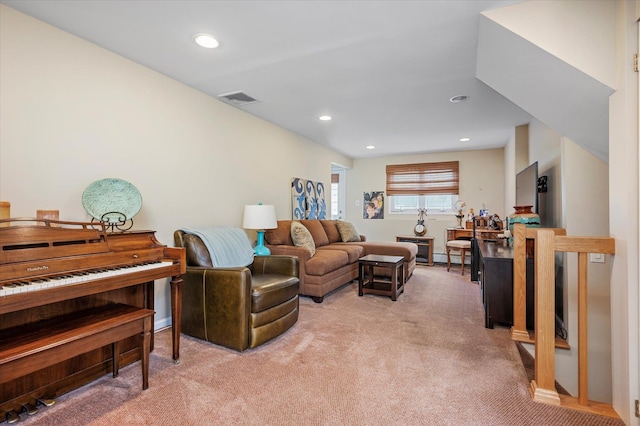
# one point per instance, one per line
(28, 239)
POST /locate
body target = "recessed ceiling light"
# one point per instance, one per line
(459, 98)
(371, 147)
(465, 139)
(325, 118)
(206, 40)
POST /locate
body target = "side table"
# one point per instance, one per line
(382, 288)
(425, 248)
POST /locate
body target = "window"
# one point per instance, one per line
(431, 186)
(433, 203)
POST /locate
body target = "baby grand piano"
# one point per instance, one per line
(71, 297)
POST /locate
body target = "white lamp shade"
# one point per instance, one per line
(259, 216)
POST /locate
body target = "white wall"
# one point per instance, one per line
(624, 194)
(481, 182)
(510, 175)
(586, 189)
(72, 113)
(546, 151)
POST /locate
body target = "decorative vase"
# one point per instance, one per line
(523, 214)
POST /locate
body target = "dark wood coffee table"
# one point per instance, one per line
(390, 288)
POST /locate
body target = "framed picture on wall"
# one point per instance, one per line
(373, 205)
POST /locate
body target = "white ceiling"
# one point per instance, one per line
(385, 70)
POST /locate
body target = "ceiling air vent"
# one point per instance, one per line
(238, 99)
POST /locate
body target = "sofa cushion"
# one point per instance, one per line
(326, 261)
(302, 237)
(317, 232)
(347, 231)
(280, 235)
(331, 230)
(389, 248)
(354, 251)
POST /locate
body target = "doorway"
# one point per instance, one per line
(338, 185)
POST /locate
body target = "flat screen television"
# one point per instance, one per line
(527, 187)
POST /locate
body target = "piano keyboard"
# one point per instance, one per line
(75, 278)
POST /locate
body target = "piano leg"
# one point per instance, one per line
(150, 302)
(146, 348)
(115, 346)
(176, 316)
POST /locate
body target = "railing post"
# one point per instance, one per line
(583, 345)
(543, 387)
(519, 330)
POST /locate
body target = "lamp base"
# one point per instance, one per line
(260, 249)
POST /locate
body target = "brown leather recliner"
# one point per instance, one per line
(239, 307)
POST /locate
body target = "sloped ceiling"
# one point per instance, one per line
(554, 92)
(385, 70)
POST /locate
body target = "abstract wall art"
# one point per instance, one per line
(308, 199)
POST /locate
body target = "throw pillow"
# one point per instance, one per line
(347, 231)
(330, 228)
(302, 237)
(317, 232)
(280, 235)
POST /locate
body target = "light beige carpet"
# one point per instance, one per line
(423, 360)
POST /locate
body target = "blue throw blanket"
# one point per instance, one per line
(228, 247)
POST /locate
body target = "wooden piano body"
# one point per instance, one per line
(76, 273)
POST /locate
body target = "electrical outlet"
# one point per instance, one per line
(596, 257)
(357, 203)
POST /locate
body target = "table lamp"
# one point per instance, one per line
(260, 217)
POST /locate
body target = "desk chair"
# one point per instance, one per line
(458, 247)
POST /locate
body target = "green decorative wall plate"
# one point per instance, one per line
(112, 200)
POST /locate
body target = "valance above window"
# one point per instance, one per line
(423, 178)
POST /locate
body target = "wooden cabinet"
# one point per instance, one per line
(496, 284)
(425, 248)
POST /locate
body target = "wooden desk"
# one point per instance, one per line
(425, 248)
(467, 234)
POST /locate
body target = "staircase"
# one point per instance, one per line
(547, 242)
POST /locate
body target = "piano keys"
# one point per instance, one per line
(23, 286)
(56, 269)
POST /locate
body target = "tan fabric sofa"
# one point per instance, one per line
(334, 262)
